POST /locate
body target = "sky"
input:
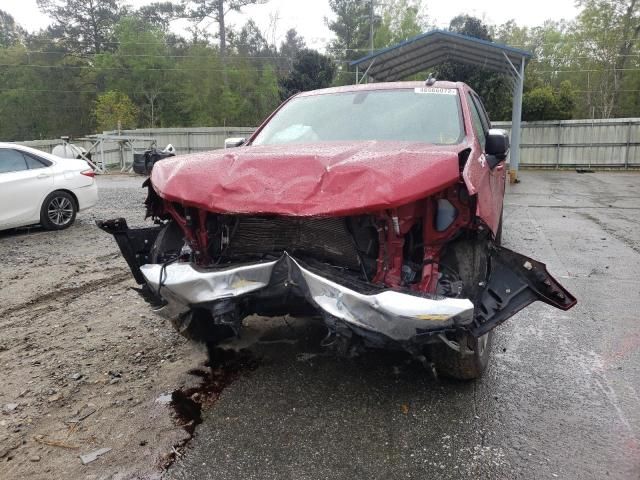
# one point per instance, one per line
(307, 16)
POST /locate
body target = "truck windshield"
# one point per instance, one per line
(426, 115)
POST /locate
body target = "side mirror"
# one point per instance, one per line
(234, 142)
(497, 146)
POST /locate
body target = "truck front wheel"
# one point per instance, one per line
(465, 358)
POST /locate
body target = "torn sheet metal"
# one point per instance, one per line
(397, 315)
(192, 286)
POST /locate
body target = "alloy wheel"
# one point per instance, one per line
(60, 211)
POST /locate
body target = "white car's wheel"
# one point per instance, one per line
(58, 211)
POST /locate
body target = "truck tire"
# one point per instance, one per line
(470, 259)
(467, 364)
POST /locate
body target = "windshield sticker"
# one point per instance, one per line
(440, 91)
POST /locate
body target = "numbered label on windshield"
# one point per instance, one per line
(440, 91)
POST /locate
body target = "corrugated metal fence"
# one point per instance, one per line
(189, 140)
(184, 140)
(613, 143)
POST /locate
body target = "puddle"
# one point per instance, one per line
(225, 366)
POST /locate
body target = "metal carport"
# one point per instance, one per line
(422, 52)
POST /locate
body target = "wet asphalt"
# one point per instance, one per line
(560, 399)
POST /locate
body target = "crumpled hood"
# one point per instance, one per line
(342, 178)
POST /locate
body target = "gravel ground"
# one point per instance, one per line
(76, 340)
(559, 400)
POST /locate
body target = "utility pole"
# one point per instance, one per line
(371, 28)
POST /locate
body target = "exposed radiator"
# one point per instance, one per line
(324, 239)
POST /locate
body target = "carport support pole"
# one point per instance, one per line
(516, 117)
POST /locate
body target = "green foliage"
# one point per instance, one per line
(352, 29)
(608, 32)
(400, 19)
(42, 94)
(491, 86)
(470, 26)
(50, 81)
(10, 32)
(311, 70)
(291, 45)
(269, 97)
(83, 26)
(140, 68)
(115, 111)
(250, 41)
(539, 104)
(566, 101)
(160, 14)
(598, 53)
(543, 103)
(393, 21)
(216, 10)
(351, 26)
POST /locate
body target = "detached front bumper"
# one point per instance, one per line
(514, 281)
(394, 314)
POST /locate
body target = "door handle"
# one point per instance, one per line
(43, 175)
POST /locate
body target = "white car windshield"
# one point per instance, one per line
(426, 115)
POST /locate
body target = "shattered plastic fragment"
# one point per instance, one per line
(91, 456)
(164, 399)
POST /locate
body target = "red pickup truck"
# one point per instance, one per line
(376, 208)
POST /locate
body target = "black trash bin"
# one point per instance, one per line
(143, 162)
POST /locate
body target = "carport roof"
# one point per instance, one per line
(429, 49)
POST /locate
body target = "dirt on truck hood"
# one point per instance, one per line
(311, 179)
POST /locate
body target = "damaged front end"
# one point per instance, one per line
(404, 278)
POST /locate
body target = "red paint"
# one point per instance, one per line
(390, 254)
(434, 240)
(398, 182)
(342, 178)
(331, 178)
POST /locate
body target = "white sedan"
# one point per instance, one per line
(36, 187)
